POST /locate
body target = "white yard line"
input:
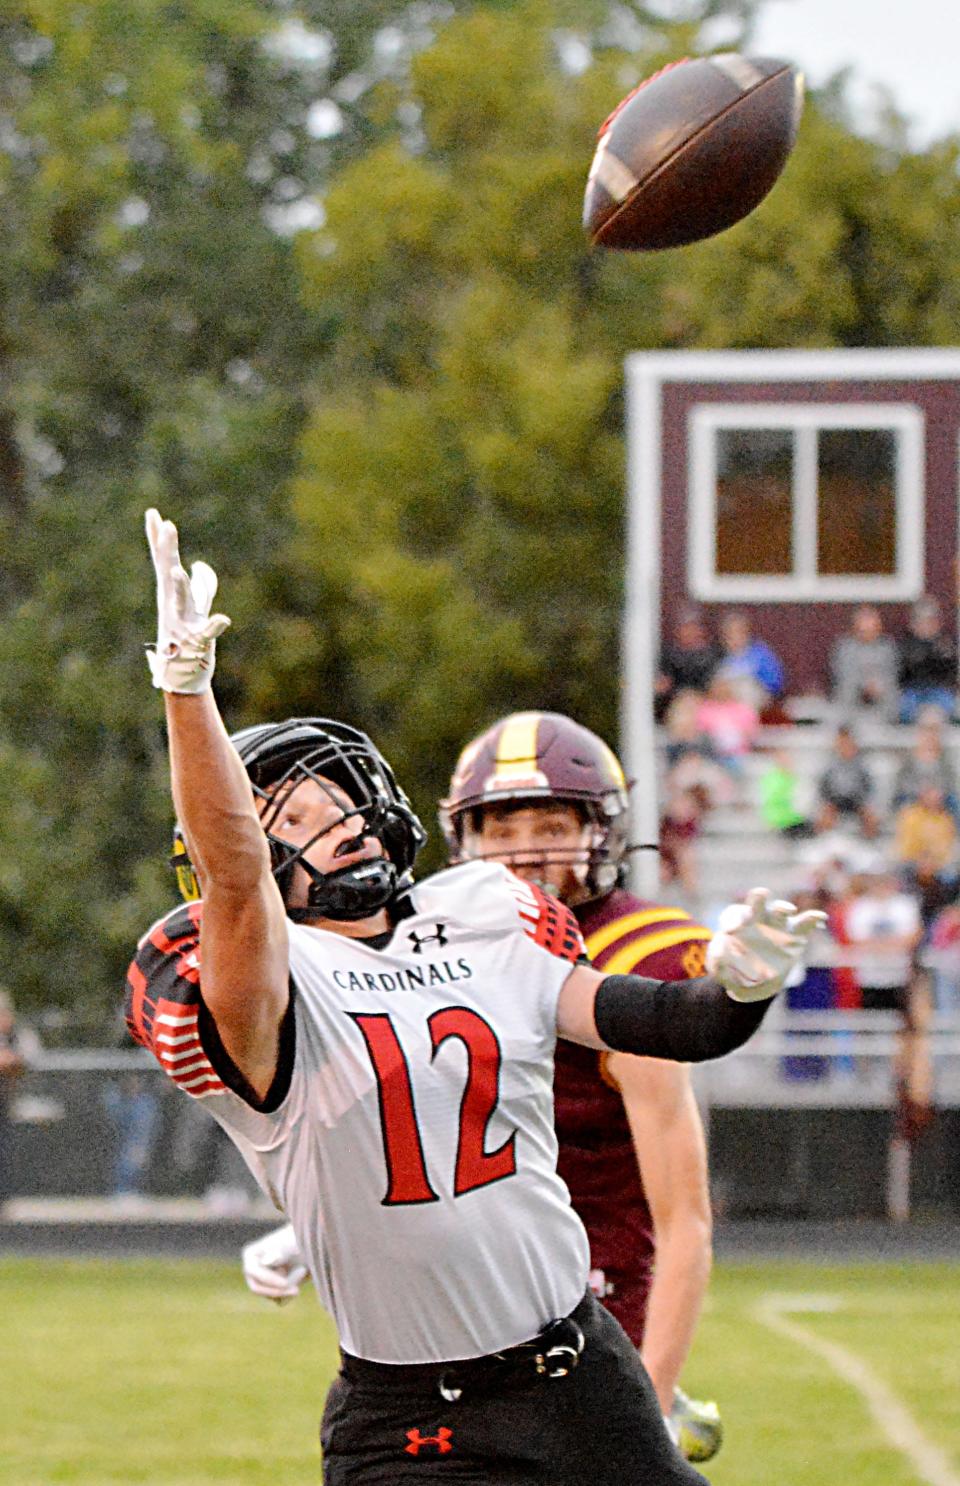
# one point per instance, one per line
(892, 1417)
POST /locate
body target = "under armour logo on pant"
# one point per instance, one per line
(440, 1441)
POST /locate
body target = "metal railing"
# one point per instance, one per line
(801, 1061)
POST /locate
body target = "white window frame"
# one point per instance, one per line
(803, 420)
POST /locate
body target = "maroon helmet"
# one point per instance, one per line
(531, 756)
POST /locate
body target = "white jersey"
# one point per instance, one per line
(409, 1136)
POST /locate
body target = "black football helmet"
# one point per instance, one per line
(532, 757)
(280, 756)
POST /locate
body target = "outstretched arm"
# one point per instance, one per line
(689, 1021)
(243, 943)
(758, 946)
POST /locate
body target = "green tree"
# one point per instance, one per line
(855, 247)
(459, 496)
(399, 435)
(153, 349)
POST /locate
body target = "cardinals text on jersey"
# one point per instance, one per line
(412, 1108)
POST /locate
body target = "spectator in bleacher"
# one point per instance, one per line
(845, 788)
(780, 785)
(730, 723)
(687, 663)
(755, 669)
(816, 992)
(943, 943)
(831, 860)
(846, 986)
(935, 887)
(679, 830)
(927, 658)
(883, 925)
(132, 1103)
(926, 828)
(692, 761)
(926, 764)
(863, 665)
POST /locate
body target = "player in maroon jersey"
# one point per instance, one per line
(548, 798)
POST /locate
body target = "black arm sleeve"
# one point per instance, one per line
(686, 1020)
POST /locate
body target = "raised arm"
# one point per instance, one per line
(757, 948)
(243, 944)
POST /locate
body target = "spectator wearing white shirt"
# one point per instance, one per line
(883, 924)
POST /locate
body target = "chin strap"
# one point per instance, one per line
(352, 893)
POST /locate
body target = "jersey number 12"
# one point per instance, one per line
(408, 1181)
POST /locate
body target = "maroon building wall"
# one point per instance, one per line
(802, 633)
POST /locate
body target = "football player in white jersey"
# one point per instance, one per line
(381, 1055)
(548, 799)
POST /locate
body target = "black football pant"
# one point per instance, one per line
(599, 1426)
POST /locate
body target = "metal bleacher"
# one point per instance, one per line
(819, 1088)
(737, 850)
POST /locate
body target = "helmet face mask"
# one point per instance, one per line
(553, 843)
(539, 759)
(355, 777)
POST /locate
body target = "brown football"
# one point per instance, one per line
(691, 151)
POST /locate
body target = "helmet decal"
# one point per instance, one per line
(516, 755)
(616, 768)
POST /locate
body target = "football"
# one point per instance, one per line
(691, 151)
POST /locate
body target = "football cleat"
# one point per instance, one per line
(698, 1427)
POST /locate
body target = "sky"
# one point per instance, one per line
(912, 49)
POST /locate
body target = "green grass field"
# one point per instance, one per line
(122, 1372)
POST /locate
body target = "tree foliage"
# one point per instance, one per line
(459, 497)
(398, 432)
(153, 347)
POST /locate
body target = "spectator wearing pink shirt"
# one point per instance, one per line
(730, 723)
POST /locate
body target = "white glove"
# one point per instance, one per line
(759, 944)
(186, 630)
(272, 1266)
(698, 1430)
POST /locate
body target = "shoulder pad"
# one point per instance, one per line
(163, 1000)
(548, 922)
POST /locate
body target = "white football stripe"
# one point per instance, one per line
(195, 1087)
(615, 177)
(738, 69)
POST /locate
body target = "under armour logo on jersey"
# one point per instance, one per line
(440, 1441)
(419, 940)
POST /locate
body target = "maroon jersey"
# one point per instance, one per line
(597, 1160)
